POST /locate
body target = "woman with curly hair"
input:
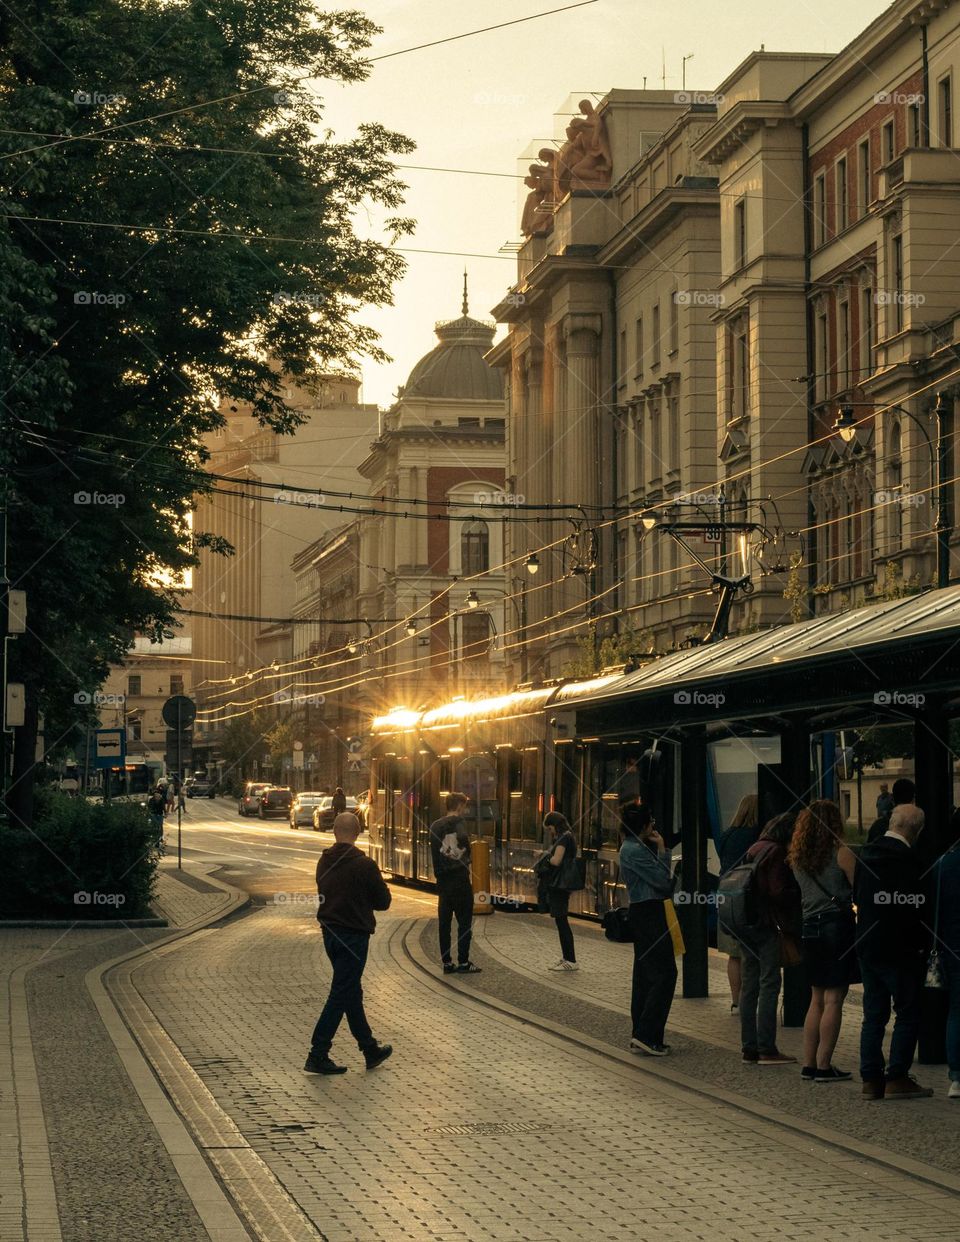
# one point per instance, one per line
(824, 866)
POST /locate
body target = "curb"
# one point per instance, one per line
(78, 924)
(784, 1128)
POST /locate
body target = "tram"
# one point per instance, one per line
(813, 709)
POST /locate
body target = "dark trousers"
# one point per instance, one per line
(952, 964)
(559, 903)
(760, 989)
(654, 971)
(899, 983)
(455, 899)
(347, 951)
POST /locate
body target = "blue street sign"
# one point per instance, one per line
(110, 748)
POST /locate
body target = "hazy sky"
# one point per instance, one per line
(477, 104)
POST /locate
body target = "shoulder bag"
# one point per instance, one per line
(936, 976)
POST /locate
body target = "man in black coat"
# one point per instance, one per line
(350, 888)
(892, 942)
(450, 848)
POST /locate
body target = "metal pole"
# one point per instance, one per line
(943, 517)
(180, 777)
(524, 658)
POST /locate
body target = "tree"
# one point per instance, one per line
(242, 743)
(616, 649)
(214, 254)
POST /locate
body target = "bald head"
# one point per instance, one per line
(346, 827)
(907, 819)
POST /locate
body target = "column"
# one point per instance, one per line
(577, 434)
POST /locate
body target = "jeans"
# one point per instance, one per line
(883, 982)
(760, 989)
(559, 904)
(455, 899)
(952, 965)
(654, 971)
(347, 951)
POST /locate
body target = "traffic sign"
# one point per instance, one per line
(110, 747)
(354, 765)
(713, 534)
(179, 712)
(298, 758)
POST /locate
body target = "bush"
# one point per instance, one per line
(80, 860)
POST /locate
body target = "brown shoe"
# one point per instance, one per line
(872, 1090)
(906, 1089)
(775, 1058)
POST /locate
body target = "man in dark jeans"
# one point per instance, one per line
(350, 887)
(891, 944)
(450, 847)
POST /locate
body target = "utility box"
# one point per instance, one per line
(15, 708)
(16, 612)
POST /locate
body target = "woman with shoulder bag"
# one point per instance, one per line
(946, 925)
(557, 876)
(823, 866)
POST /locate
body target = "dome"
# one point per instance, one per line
(455, 368)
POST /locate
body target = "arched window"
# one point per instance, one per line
(474, 548)
(893, 498)
(475, 636)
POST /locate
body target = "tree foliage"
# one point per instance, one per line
(177, 229)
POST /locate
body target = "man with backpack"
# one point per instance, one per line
(757, 901)
(450, 847)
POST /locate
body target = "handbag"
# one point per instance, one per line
(790, 952)
(673, 927)
(936, 976)
(616, 925)
(571, 875)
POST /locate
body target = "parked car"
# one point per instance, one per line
(303, 805)
(249, 803)
(275, 800)
(323, 815)
(199, 787)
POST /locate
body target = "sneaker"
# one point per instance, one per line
(832, 1074)
(906, 1088)
(809, 1073)
(734, 1009)
(873, 1089)
(468, 968)
(750, 1056)
(322, 1065)
(563, 964)
(377, 1055)
(650, 1050)
(449, 968)
(954, 1092)
(775, 1058)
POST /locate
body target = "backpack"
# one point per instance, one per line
(616, 925)
(740, 896)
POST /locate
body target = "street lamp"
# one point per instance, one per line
(411, 627)
(473, 599)
(533, 564)
(648, 519)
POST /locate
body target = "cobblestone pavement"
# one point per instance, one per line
(483, 1127)
(109, 1177)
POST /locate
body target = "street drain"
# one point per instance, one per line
(491, 1127)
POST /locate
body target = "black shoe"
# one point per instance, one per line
(322, 1065)
(832, 1075)
(750, 1056)
(809, 1073)
(468, 968)
(449, 968)
(377, 1055)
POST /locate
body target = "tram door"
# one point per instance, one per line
(477, 777)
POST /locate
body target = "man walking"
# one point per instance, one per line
(904, 794)
(450, 847)
(350, 887)
(891, 944)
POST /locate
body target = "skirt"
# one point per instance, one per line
(829, 950)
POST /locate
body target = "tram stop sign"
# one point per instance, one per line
(179, 712)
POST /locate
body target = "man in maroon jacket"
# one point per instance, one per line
(350, 888)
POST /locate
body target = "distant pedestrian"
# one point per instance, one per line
(646, 871)
(892, 944)
(181, 794)
(563, 848)
(946, 925)
(824, 866)
(171, 795)
(339, 803)
(778, 900)
(450, 848)
(904, 794)
(732, 846)
(885, 802)
(350, 888)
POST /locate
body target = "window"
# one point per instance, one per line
(843, 346)
(896, 294)
(639, 458)
(888, 145)
(656, 459)
(820, 210)
(741, 374)
(891, 507)
(176, 684)
(866, 331)
(655, 360)
(474, 548)
(863, 176)
(674, 323)
(740, 233)
(474, 636)
(638, 345)
(623, 359)
(134, 685)
(843, 207)
(136, 729)
(822, 356)
(945, 111)
(913, 126)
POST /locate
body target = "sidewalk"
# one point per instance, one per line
(72, 1121)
